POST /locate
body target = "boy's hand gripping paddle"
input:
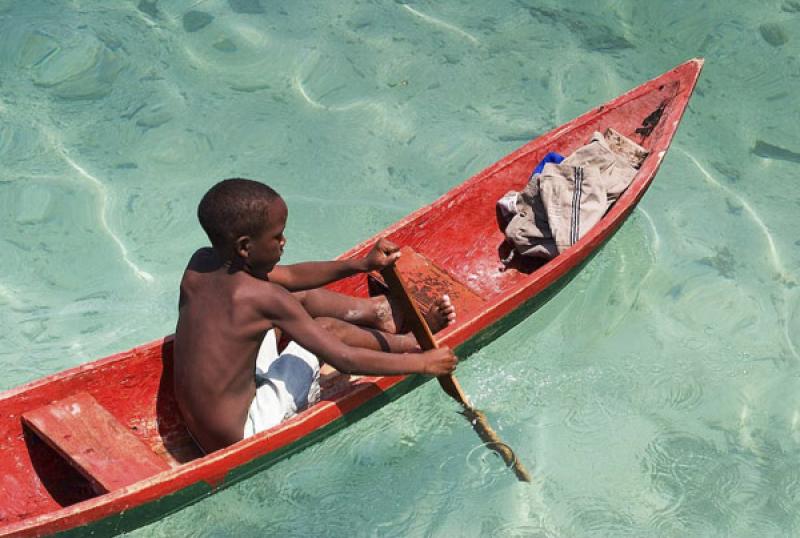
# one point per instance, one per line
(412, 315)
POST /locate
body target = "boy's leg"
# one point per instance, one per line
(376, 312)
(367, 323)
(365, 337)
(369, 312)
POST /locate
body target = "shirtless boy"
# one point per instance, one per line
(234, 294)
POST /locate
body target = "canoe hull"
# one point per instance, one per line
(135, 386)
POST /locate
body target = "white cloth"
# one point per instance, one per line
(285, 384)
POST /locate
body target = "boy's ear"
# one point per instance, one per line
(242, 246)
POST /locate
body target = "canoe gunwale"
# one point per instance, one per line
(543, 142)
(211, 472)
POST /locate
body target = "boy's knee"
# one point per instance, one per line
(331, 325)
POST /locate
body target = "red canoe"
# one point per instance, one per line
(60, 471)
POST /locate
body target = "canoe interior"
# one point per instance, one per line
(135, 387)
(458, 233)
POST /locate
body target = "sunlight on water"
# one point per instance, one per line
(656, 395)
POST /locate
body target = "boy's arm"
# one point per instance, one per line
(286, 312)
(309, 275)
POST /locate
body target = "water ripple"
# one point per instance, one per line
(682, 390)
(675, 461)
(698, 484)
(586, 417)
(102, 192)
(788, 489)
(774, 256)
(786, 278)
(597, 517)
(523, 530)
(442, 24)
(19, 142)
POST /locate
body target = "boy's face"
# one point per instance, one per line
(265, 250)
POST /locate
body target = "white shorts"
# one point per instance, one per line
(285, 384)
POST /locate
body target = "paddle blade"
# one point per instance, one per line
(481, 426)
(416, 322)
(412, 315)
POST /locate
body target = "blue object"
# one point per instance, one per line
(551, 157)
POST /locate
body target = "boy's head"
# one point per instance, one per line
(236, 208)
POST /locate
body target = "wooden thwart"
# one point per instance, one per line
(426, 283)
(94, 442)
(400, 293)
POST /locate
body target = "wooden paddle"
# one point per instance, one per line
(412, 315)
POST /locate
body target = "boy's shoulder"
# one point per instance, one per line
(203, 259)
(205, 268)
(207, 275)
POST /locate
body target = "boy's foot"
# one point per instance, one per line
(441, 314)
(390, 317)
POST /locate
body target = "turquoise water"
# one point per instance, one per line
(672, 410)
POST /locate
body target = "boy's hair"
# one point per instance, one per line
(235, 207)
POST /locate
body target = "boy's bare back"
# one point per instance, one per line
(220, 329)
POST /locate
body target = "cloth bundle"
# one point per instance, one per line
(562, 202)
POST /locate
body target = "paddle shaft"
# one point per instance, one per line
(449, 383)
(420, 328)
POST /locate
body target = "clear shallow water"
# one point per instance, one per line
(674, 409)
